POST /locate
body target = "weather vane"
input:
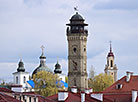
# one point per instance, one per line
(76, 8)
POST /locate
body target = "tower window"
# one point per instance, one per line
(111, 63)
(24, 79)
(74, 49)
(84, 49)
(16, 80)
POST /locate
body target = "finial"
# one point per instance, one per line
(57, 59)
(110, 46)
(76, 9)
(42, 47)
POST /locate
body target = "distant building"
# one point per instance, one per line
(110, 67)
(20, 78)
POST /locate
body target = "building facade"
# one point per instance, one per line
(77, 52)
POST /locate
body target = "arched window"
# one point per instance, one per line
(111, 63)
(24, 79)
(16, 79)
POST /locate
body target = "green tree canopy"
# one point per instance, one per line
(45, 83)
(100, 82)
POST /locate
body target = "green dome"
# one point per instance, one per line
(41, 68)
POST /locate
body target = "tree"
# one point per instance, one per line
(45, 83)
(100, 82)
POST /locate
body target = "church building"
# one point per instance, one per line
(110, 67)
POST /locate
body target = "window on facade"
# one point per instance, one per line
(16, 80)
(24, 79)
(35, 99)
(29, 99)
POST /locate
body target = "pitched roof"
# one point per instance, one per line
(73, 97)
(126, 86)
(123, 94)
(6, 90)
(6, 98)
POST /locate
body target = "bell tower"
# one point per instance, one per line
(77, 52)
(110, 67)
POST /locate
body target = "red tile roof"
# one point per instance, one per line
(124, 94)
(126, 86)
(6, 90)
(73, 97)
(6, 98)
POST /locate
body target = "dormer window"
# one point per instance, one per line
(118, 86)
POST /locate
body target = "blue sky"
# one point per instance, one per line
(25, 25)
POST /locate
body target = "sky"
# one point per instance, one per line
(25, 25)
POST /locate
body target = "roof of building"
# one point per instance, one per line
(7, 98)
(31, 83)
(5, 90)
(58, 68)
(122, 94)
(21, 66)
(42, 66)
(74, 97)
(110, 54)
(76, 17)
(126, 86)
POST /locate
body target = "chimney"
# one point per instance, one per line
(98, 96)
(62, 95)
(90, 90)
(134, 95)
(74, 89)
(87, 91)
(128, 76)
(82, 96)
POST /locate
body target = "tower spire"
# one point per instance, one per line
(110, 46)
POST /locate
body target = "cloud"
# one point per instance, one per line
(25, 25)
(118, 4)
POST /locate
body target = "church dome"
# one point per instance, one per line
(41, 68)
(21, 67)
(58, 68)
(76, 17)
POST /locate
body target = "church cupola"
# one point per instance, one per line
(110, 54)
(21, 66)
(42, 66)
(77, 24)
(57, 68)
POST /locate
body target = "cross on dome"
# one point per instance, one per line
(42, 47)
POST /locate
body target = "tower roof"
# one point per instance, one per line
(76, 16)
(58, 68)
(110, 54)
(20, 66)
